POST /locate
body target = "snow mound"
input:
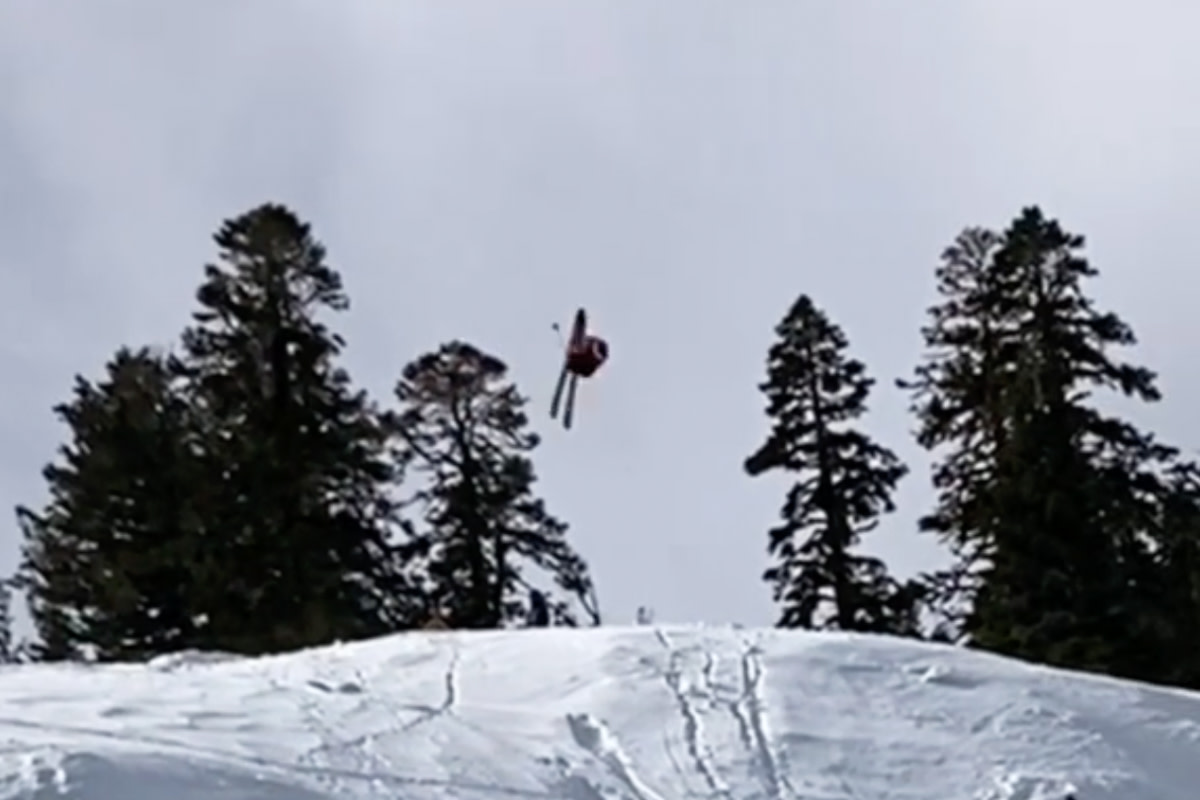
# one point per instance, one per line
(189, 658)
(601, 714)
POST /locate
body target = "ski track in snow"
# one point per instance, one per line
(595, 737)
(746, 710)
(693, 713)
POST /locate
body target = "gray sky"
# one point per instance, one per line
(683, 169)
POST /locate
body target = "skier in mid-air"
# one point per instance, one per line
(585, 354)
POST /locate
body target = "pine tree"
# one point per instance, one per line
(462, 427)
(844, 483)
(1049, 504)
(8, 648)
(296, 457)
(107, 563)
(1174, 584)
(957, 397)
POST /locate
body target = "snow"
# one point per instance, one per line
(620, 713)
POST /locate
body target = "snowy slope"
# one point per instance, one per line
(638, 714)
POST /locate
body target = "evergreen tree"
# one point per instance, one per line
(296, 457)
(957, 397)
(107, 563)
(461, 425)
(1052, 501)
(8, 649)
(844, 483)
(1175, 583)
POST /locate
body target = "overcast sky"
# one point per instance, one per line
(682, 169)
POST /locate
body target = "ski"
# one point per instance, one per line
(569, 411)
(558, 391)
(578, 329)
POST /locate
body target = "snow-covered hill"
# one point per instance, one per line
(631, 713)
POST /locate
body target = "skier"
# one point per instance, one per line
(586, 353)
(589, 355)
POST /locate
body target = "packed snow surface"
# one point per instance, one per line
(619, 713)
